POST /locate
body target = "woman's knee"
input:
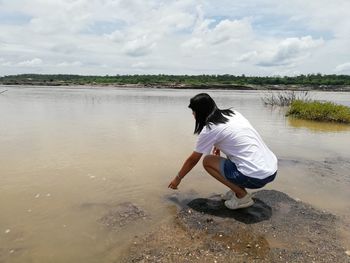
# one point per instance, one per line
(211, 161)
(206, 160)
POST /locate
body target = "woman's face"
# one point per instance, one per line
(194, 114)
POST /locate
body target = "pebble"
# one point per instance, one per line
(12, 251)
(7, 231)
(37, 196)
(347, 252)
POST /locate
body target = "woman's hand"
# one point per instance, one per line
(175, 182)
(190, 162)
(216, 151)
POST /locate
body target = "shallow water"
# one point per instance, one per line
(69, 155)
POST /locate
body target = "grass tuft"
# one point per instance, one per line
(319, 111)
(284, 98)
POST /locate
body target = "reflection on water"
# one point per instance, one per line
(316, 126)
(64, 148)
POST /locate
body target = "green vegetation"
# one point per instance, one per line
(319, 111)
(284, 98)
(313, 80)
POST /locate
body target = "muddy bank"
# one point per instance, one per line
(275, 229)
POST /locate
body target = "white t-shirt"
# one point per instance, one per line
(242, 145)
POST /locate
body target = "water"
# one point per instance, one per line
(69, 155)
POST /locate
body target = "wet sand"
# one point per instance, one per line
(276, 228)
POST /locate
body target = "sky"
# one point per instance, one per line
(110, 37)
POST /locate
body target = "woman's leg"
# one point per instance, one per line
(211, 164)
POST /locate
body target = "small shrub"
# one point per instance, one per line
(319, 111)
(285, 98)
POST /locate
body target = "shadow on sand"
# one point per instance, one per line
(258, 212)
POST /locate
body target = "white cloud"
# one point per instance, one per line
(228, 30)
(6, 64)
(30, 63)
(65, 48)
(139, 47)
(193, 43)
(290, 50)
(343, 68)
(286, 52)
(140, 65)
(322, 15)
(116, 36)
(248, 56)
(69, 64)
(205, 32)
(251, 37)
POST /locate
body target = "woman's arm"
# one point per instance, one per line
(190, 162)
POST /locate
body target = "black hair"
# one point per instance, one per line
(206, 112)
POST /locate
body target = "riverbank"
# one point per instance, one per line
(212, 81)
(276, 228)
(184, 86)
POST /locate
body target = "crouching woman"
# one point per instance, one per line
(249, 163)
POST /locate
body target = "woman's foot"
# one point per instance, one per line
(228, 195)
(236, 203)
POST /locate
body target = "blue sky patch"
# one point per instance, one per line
(14, 18)
(104, 27)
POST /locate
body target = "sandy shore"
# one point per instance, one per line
(276, 228)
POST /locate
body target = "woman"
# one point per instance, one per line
(249, 163)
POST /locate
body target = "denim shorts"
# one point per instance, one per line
(231, 173)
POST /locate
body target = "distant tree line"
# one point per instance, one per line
(186, 80)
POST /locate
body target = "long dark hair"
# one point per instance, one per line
(206, 112)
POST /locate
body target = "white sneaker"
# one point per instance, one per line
(237, 203)
(228, 195)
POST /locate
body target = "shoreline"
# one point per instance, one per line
(188, 87)
(277, 228)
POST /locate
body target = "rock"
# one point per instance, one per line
(275, 229)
